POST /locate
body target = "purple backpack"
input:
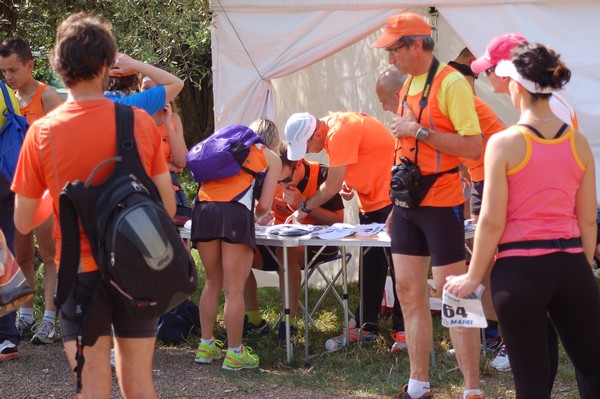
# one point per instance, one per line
(222, 154)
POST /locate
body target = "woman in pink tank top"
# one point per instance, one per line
(538, 229)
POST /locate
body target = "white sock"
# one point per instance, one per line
(470, 391)
(416, 388)
(26, 314)
(238, 349)
(49, 315)
(209, 341)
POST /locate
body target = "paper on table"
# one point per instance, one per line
(291, 230)
(336, 230)
(260, 230)
(365, 230)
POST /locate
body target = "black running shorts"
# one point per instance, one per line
(438, 232)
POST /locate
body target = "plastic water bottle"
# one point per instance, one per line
(334, 343)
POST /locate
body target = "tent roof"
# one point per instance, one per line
(275, 57)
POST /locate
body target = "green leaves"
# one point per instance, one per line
(174, 33)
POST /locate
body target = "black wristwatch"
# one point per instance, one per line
(422, 134)
(303, 208)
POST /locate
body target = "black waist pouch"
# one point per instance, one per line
(411, 197)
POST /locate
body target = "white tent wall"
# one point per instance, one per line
(275, 57)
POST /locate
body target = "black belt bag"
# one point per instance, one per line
(412, 196)
(559, 243)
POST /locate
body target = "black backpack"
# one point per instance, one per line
(176, 326)
(145, 266)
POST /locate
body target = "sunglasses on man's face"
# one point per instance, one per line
(490, 70)
(285, 181)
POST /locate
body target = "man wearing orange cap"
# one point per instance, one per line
(436, 124)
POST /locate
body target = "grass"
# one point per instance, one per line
(370, 370)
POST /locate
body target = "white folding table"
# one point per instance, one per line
(382, 239)
(284, 242)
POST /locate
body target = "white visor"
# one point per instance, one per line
(507, 69)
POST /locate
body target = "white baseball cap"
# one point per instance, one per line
(298, 129)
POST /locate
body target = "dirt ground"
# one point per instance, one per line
(42, 372)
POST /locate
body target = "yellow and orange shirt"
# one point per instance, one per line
(451, 110)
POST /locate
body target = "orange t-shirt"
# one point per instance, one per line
(490, 124)
(236, 188)
(35, 109)
(366, 147)
(68, 143)
(166, 143)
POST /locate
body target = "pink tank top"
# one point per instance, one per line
(541, 194)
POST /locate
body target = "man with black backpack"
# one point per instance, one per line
(65, 147)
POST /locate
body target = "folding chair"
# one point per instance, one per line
(309, 270)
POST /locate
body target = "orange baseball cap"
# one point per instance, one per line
(116, 73)
(399, 25)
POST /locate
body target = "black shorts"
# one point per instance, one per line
(270, 264)
(438, 232)
(231, 222)
(106, 313)
(476, 196)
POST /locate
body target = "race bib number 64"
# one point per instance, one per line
(461, 312)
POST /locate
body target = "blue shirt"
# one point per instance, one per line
(151, 100)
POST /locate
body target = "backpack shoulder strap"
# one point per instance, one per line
(7, 98)
(124, 121)
(70, 249)
(127, 150)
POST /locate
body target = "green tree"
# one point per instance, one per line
(173, 33)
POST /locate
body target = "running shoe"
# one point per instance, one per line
(23, 326)
(8, 351)
(404, 395)
(238, 361)
(252, 330)
(281, 333)
(399, 341)
(207, 353)
(501, 362)
(493, 343)
(44, 332)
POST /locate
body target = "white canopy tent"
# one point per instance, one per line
(272, 58)
(262, 51)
